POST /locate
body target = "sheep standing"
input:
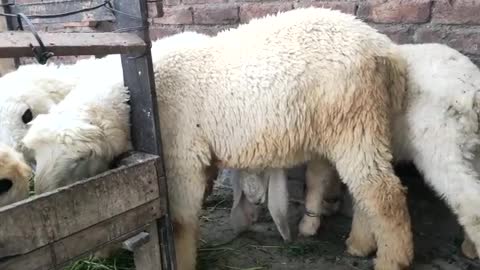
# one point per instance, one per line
(305, 83)
(439, 132)
(14, 176)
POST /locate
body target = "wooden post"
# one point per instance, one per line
(7, 64)
(139, 77)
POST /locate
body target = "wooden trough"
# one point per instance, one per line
(128, 204)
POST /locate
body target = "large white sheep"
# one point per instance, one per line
(439, 133)
(301, 84)
(15, 175)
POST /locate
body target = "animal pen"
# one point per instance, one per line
(128, 204)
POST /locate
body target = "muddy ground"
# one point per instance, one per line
(437, 236)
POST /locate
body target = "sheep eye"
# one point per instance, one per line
(27, 116)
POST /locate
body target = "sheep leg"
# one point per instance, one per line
(243, 213)
(321, 182)
(186, 186)
(376, 190)
(444, 167)
(278, 201)
(468, 247)
(361, 241)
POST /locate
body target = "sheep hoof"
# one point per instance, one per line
(360, 247)
(309, 226)
(469, 250)
(382, 264)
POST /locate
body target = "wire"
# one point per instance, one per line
(58, 15)
(106, 4)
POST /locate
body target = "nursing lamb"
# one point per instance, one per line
(295, 86)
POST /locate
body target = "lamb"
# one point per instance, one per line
(33, 89)
(81, 135)
(251, 189)
(439, 133)
(294, 86)
(79, 118)
(14, 176)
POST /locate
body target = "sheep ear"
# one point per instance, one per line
(243, 212)
(278, 201)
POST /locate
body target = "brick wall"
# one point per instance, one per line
(453, 22)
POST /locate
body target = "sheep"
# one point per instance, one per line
(439, 133)
(81, 135)
(251, 189)
(293, 86)
(69, 119)
(14, 176)
(33, 89)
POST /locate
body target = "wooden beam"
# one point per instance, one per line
(17, 44)
(49, 217)
(139, 77)
(35, 7)
(6, 65)
(60, 252)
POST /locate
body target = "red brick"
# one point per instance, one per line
(210, 30)
(456, 12)
(216, 14)
(400, 34)
(396, 11)
(345, 7)
(175, 15)
(464, 40)
(257, 10)
(164, 31)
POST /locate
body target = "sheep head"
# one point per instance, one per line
(14, 176)
(25, 93)
(65, 151)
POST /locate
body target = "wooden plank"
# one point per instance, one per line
(51, 216)
(36, 7)
(6, 65)
(139, 77)
(17, 44)
(146, 257)
(80, 244)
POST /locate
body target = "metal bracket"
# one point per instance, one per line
(135, 242)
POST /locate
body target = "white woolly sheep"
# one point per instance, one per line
(81, 135)
(33, 89)
(60, 131)
(301, 84)
(14, 176)
(439, 133)
(251, 189)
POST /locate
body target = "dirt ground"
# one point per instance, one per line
(437, 236)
